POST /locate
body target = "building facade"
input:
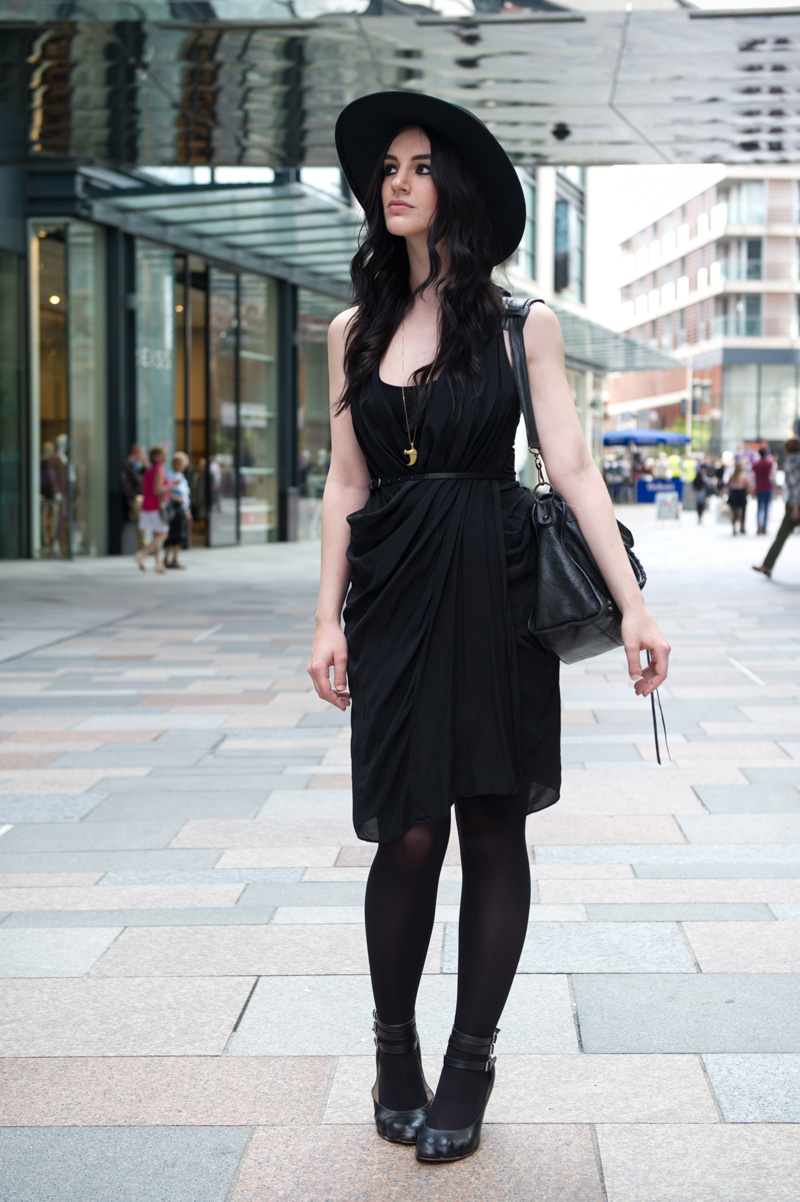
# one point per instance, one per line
(716, 282)
(173, 308)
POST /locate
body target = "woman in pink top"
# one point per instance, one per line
(764, 471)
(154, 489)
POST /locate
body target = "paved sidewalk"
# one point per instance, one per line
(184, 1006)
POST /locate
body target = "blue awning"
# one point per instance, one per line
(647, 438)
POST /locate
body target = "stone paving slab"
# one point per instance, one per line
(756, 1088)
(279, 857)
(265, 833)
(680, 912)
(30, 879)
(679, 890)
(351, 1164)
(183, 1164)
(301, 803)
(751, 829)
(788, 774)
(181, 1016)
(444, 913)
(88, 836)
(557, 1089)
(749, 799)
(208, 916)
(569, 947)
(177, 809)
(144, 1091)
(727, 853)
(244, 951)
(213, 876)
(305, 893)
(723, 1163)
(730, 871)
(550, 827)
(611, 792)
(121, 897)
(65, 952)
(48, 807)
(107, 861)
(690, 1012)
(745, 946)
(283, 1017)
(68, 780)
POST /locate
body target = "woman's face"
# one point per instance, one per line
(408, 192)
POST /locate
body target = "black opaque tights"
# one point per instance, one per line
(400, 909)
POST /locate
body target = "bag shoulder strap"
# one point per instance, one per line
(515, 311)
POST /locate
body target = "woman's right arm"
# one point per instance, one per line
(346, 490)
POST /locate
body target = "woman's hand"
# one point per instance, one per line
(640, 632)
(329, 650)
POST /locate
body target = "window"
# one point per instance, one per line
(753, 259)
(525, 255)
(569, 250)
(746, 203)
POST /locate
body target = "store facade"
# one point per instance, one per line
(112, 338)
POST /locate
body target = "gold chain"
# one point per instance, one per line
(412, 450)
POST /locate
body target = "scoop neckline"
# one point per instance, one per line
(399, 387)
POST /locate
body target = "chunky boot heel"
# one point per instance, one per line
(394, 1039)
(443, 1146)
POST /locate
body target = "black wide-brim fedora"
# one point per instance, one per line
(366, 126)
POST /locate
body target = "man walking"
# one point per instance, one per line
(791, 517)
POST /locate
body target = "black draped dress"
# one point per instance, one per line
(452, 697)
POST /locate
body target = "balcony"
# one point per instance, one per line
(733, 269)
(736, 326)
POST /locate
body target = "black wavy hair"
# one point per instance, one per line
(470, 302)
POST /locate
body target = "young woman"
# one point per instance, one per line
(154, 490)
(179, 511)
(455, 705)
(739, 489)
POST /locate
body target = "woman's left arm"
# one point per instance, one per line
(574, 474)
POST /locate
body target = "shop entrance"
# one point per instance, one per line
(70, 515)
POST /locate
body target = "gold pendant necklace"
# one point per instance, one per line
(411, 452)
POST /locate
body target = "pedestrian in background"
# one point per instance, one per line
(178, 511)
(131, 471)
(702, 487)
(791, 517)
(151, 519)
(739, 488)
(764, 473)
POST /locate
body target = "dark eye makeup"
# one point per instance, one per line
(388, 168)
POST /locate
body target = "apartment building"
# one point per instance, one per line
(717, 282)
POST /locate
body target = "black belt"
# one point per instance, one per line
(380, 481)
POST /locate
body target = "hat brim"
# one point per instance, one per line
(365, 126)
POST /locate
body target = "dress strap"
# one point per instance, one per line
(381, 481)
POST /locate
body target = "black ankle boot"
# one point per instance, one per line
(442, 1146)
(398, 1126)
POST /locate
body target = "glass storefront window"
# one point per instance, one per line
(196, 364)
(70, 461)
(87, 393)
(53, 470)
(11, 407)
(315, 313)
(155, 346)
(223, 404)
(258, 417)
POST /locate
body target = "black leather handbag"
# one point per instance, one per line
(574, 614)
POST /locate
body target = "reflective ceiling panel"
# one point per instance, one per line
(260, 82)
